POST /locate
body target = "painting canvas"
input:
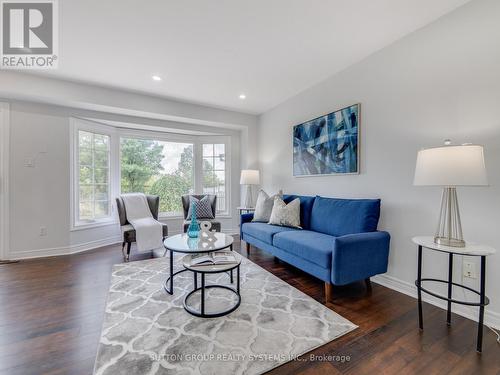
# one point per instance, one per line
(327, 144)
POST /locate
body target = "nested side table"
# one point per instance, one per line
(470, 250)
(204, 270)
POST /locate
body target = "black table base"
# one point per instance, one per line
(483, 300)
(169, 283)
(201, 313)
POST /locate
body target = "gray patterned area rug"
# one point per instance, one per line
(147, 331)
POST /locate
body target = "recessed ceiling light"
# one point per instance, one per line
(243, 96)
(156, 78)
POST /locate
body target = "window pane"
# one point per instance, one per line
(84, 140)
(159, 168)
(208, 190)
(220, 177)
(86, 175)
(208, 164)
(85, 157)
(101, 175)
(86, 210)
(219, 150)
(208, 150)
(101, 159)
(209, 180)
(101, 209)
(86, 193)
(101, 142)
(101, 192)
(93, 169)
(220, 163)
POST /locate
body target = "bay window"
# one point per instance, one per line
(108, 161)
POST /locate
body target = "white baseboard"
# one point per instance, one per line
(491, 318)
(87, 246)
(64, 250)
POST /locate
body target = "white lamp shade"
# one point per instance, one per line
(249, 177)
(451, 166)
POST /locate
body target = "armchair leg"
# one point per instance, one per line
(368, 285)
(247, 247)
(129, 245)
(123, 252)
(328, 292)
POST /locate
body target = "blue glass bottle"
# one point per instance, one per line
(194, 227)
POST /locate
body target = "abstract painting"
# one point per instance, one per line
(327, 144)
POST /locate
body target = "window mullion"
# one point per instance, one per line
(93, 176)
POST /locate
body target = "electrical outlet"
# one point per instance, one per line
(43, 231)
(469, 270)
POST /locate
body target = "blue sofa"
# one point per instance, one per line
(339, 242)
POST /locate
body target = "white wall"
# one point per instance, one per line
(440, 82)
(40, 195)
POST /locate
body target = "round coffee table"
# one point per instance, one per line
(181, 243)
(210, 269)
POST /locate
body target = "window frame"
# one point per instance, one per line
(77, 125)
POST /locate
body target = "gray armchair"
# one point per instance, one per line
(127, 229)
(216, 226)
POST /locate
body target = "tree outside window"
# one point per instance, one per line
(158, 168)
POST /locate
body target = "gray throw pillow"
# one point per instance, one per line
(203, 208)
(287, 215)
(263, 207)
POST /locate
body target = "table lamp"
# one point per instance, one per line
(450, 166)
(249, 177)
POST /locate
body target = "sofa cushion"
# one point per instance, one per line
(339, 217)
(312, 246)
(306, 204)
(263, 231)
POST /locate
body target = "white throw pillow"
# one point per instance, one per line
(264, 206)
(287, 215)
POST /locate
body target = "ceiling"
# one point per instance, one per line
(209, 52)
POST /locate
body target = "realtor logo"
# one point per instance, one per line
(29, 34)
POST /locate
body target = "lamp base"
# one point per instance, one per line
(449, 242)
(248, 197)
(449, 231)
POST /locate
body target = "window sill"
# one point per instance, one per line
(99, 224)
(170, 217)
(181, 217)
(223, 216)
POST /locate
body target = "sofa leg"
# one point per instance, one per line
(328, 292)
(368, 285)
(247, 245)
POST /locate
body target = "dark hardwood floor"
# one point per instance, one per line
(51, 312)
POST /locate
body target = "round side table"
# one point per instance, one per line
(209, 269)
(181, 243)
(470, 249)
